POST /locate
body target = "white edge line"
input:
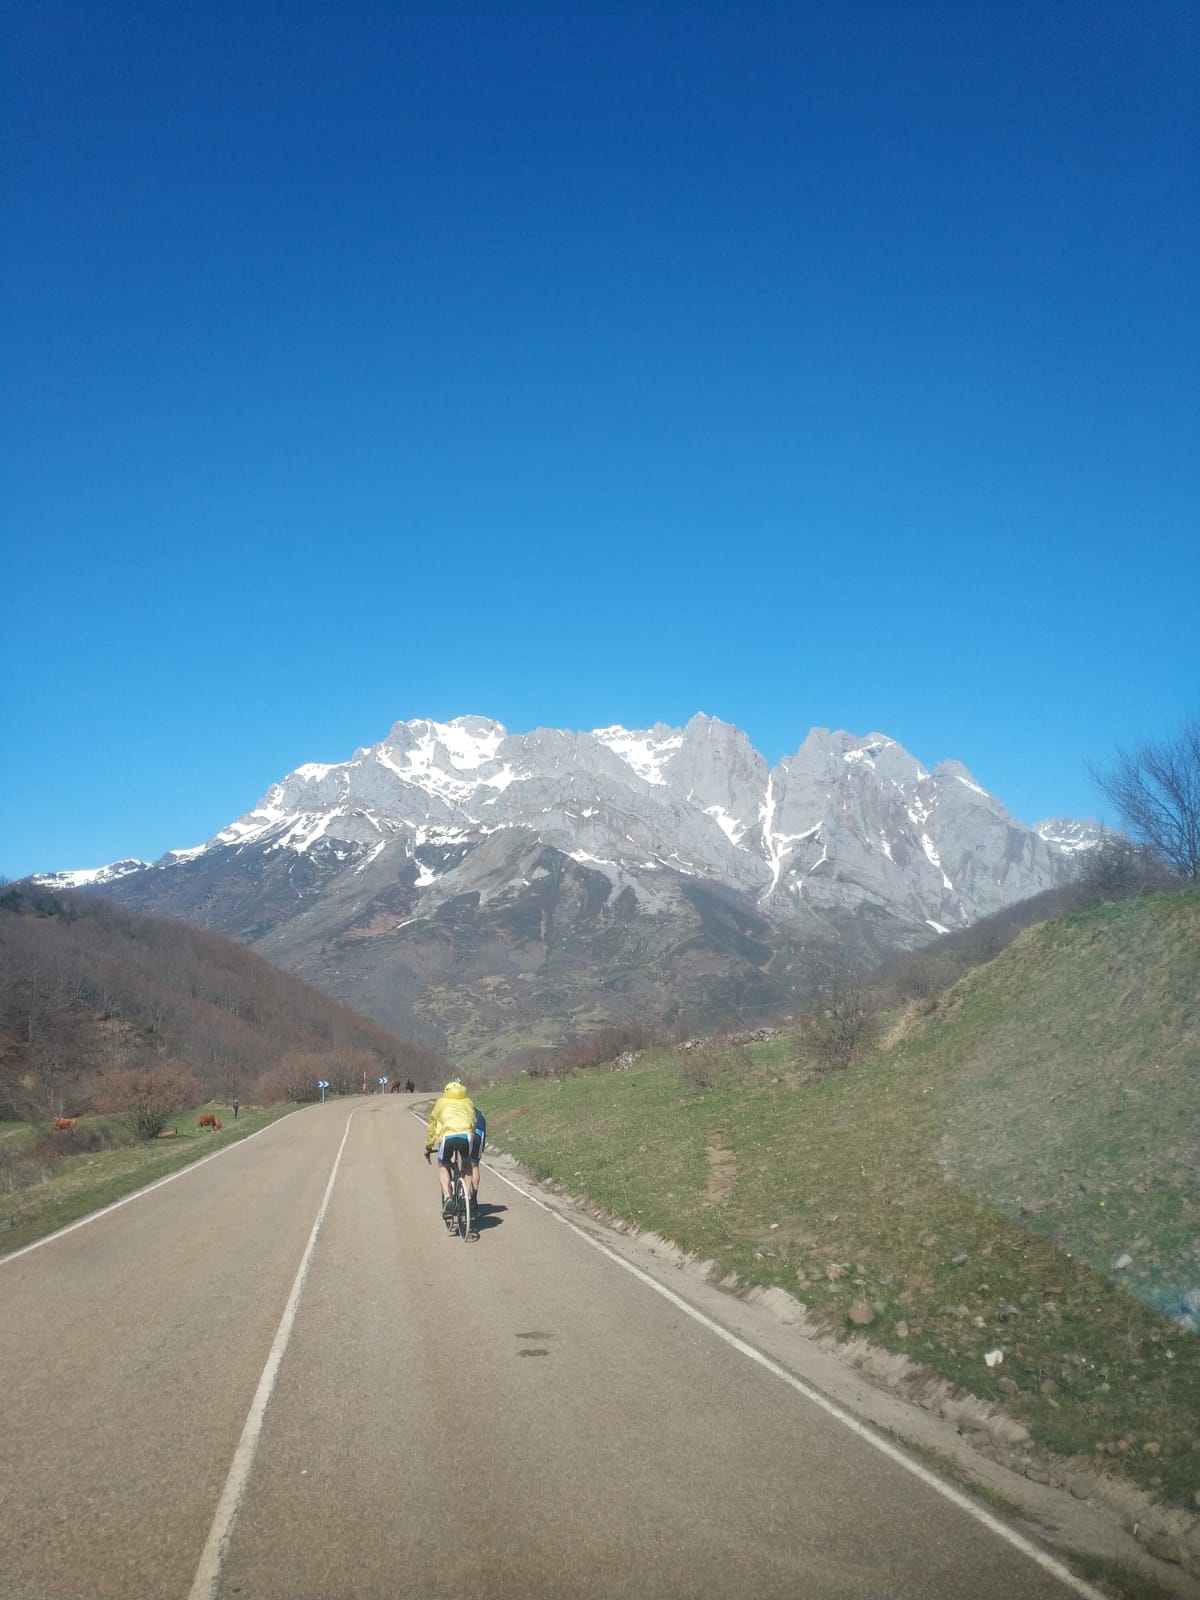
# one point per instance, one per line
(212, 1559)
(137, 1194)
(1047, 1562)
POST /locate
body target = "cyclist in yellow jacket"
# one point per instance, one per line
(451, 1122)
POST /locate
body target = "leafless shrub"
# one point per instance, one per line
(294, 1077)
(701, 1069)
(922, 976)
(349, 1071)
(85, 1138)
(594, 1050)
(1118, 869)
(983, 941)
(842, 1027)
(148, 1097)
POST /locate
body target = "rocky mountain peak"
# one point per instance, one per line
(609, 843)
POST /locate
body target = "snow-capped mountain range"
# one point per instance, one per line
(849, 838)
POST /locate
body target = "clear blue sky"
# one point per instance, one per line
(573, 363)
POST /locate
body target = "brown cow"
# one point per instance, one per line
(208, 1121)
(64, 1124)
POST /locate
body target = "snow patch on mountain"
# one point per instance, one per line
(590, 860)
(420, 767)
(468, 741)
(304, 831)
(262, 820)
(733, 829)
(645, 752)
(91, 877)
(935, 860)
(1071, 837)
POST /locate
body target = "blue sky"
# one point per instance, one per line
(571, 364)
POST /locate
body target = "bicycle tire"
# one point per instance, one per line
(450, 1218)
(459, 1218)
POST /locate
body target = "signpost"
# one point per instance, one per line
(382, 1085)
(322, 1084)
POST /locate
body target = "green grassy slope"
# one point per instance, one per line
(1072, 1089)
(969, 1189)
(113, 1164)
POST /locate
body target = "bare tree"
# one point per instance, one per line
(1118, 869)
(294, 1076)
(148, 1096)
(1156, 790)
(922, 976)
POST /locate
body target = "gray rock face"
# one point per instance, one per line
(843, 820)
(853, 818)
(617, 846)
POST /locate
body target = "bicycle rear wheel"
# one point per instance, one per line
(462, 1207)
(450, 1217)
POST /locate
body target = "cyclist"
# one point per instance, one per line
(451, 1122)
(478, 1140)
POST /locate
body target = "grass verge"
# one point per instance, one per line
(879, 1199)
(76, 1185)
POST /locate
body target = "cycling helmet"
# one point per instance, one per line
(454, 1090)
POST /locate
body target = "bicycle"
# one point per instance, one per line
(461, 1219)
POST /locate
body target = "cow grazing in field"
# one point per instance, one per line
(208, 1121)
(64, 1124)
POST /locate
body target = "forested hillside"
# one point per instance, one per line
(87, 988)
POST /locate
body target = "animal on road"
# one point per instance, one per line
(208, 1121)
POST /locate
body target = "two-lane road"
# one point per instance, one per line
(206, 1394)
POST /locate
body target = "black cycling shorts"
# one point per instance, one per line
(453, 1141)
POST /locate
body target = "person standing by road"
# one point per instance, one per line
(451, 1122)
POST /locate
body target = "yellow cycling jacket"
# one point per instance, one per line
(449, 1116)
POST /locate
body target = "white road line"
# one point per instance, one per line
(137, 1194)
(208, 1573)
(1010, 1535)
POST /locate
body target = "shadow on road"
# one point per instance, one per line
(487, 1216)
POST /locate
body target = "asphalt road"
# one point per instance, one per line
(186, 1413)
